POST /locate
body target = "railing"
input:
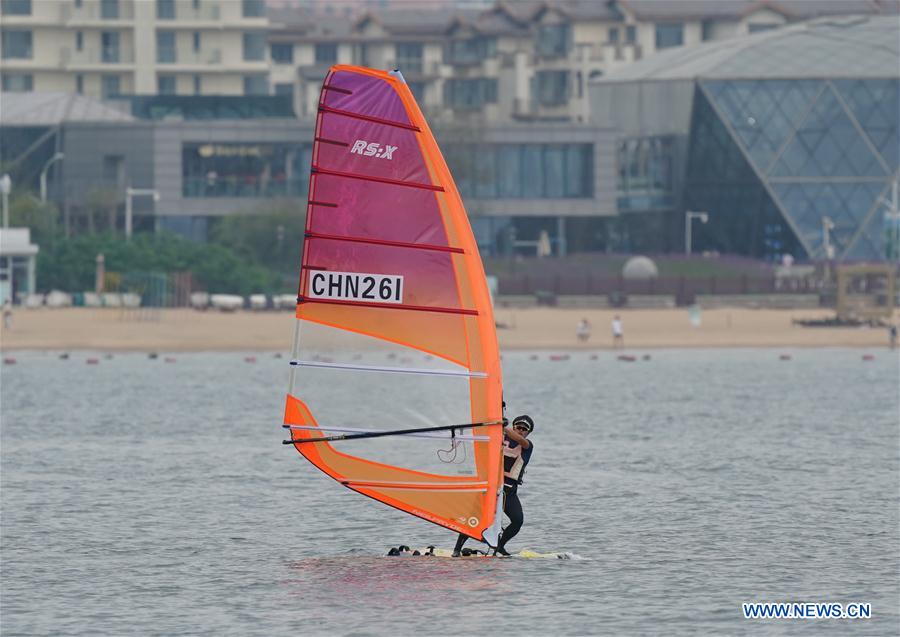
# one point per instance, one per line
(68, 57)
(683, 288)
(201, 58)
(92, 11)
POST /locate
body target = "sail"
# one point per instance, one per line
(395, 329)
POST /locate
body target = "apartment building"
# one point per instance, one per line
(514, 61)
(104, 48)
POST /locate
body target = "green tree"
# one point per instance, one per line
(271, 237)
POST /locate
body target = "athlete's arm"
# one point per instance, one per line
(512, 434)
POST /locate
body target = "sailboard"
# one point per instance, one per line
(395, 383)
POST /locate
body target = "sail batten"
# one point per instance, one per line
(391, 274)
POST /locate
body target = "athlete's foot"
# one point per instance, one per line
(501, 551)
(454, 554)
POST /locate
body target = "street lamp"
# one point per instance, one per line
(827, 227)
(55, 158)
(689, 217)
(129, 194)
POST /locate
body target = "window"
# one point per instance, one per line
(16, 44)
(470, 50)
(250, 169)
(286, 88)
(109, 47)
(613, 36)
(165, 47)
(195, 4)
(254, 47)
(553, 40)
(110, 86)
(18, 82)
(631, 34)
(196, 41)
(254, 8)
(326, 53)
(669, 34)
(283, 53)
(470, 93)
(109, 9)
(256, 85)
(707, 28)
(114, 170)
(409, 56)
(165, 9)
(165, 85)
(756, 27)
(79, 40)
(523, 171)
(552, 87)
(79, 84)
(78, 4)
(418, 91)
(16, 7)
(197, 85)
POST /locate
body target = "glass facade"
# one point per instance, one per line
(522, 171)
(18, 82)
(245, 169)
(646, 173)
(669, 34)
(812, 150)
(554, 40)
(409, 56)
(165, 47)
(254, 47)
(470, 93)
(16, 7)
(470, 50)
(552, 87)
(282, 53)
(326, 53)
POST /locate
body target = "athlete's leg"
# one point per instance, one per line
(513, 510)
(459, 544)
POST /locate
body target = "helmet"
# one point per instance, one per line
(524, 420)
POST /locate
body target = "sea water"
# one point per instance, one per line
(154, 498)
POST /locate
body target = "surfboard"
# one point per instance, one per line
(523, 554)
(395, 382)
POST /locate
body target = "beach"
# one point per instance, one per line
(186, 330)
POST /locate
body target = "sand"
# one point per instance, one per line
(182, 330)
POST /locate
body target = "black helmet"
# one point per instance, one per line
(524, 420)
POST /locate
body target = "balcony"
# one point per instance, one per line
(96, 58)
(188, 17)
(97, 14)
(416, 68)
(175, 60)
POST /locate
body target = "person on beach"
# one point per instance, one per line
(516, 455)
(7, 314)
(892, 335)
(583, 331)
(618, 336)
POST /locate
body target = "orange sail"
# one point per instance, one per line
(396, 385)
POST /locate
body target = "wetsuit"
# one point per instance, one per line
(515, 459)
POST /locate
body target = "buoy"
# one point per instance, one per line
(108, 357)
(9, 361)
(868, 357)
(93, 361)
(594, 357)
(152, 355)
(627, 358)
(559, 357)
(168, 359)
(533, 357)
(250, 359)
(64, 356)
(277, 354)
(645, 357)
(784, 357)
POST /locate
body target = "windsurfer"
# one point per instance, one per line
(516, 454)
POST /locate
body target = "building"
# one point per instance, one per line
(106, 48)
(788, 139)
(522, 61)
(17, 264)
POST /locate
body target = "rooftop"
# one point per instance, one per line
(845, 46)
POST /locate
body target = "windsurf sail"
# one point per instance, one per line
(395, 385)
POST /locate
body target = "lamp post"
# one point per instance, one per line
(55, 158)
(689, 217)
(5, 187)
(827, 227)
(131, 193)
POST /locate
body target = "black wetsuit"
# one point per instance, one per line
(511, 505)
